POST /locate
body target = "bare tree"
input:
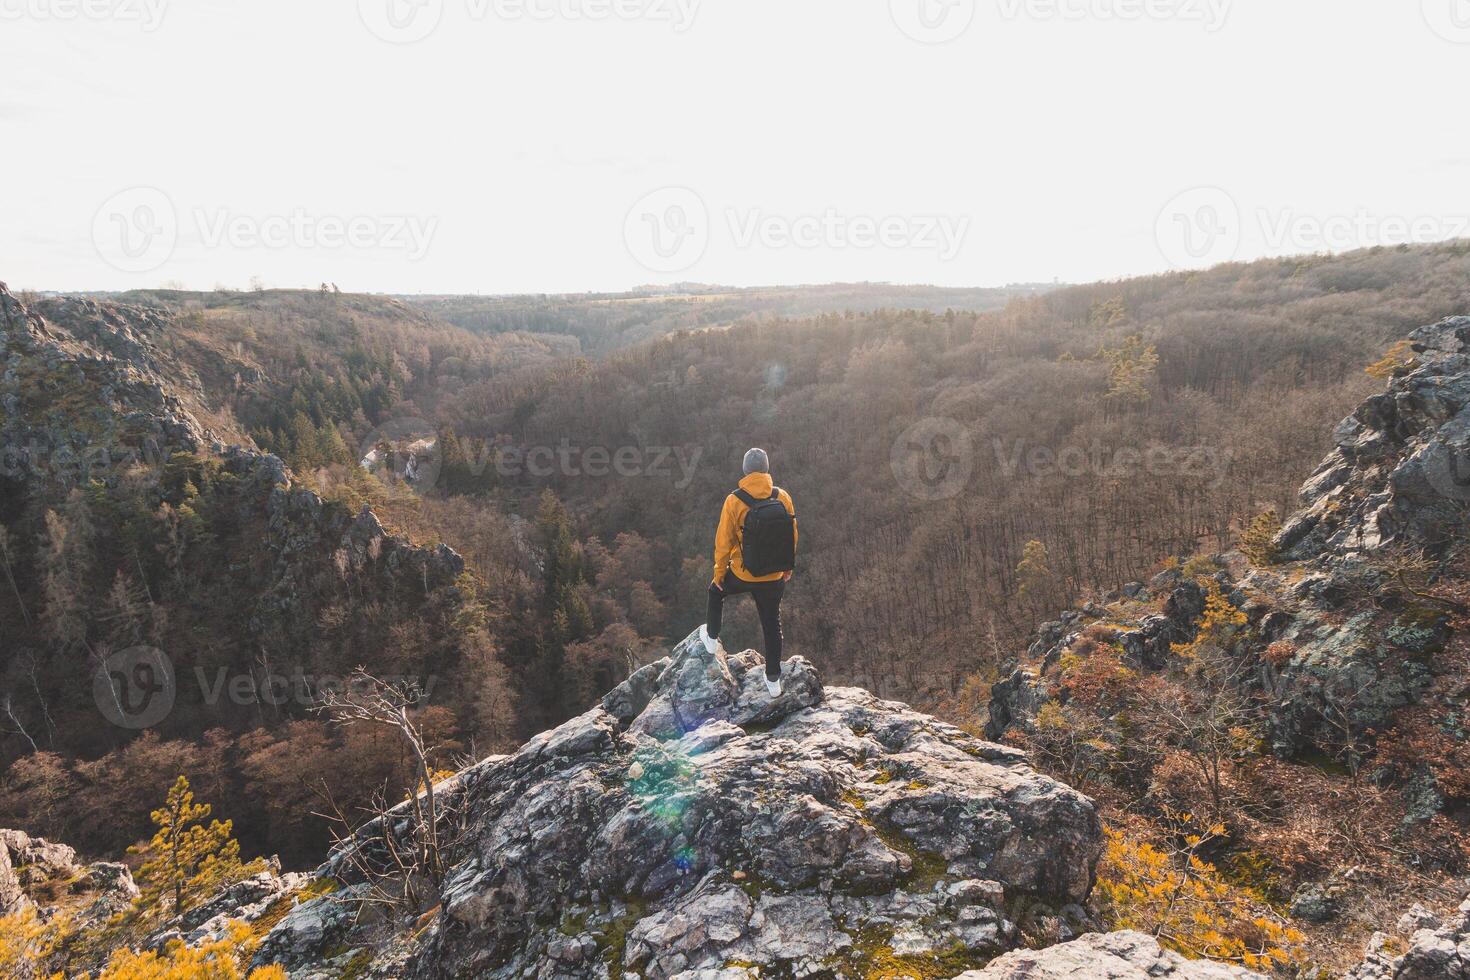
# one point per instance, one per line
(368, 699)
(19, 729)
(1206, 719)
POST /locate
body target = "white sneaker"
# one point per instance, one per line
(774, 686)
(711, 645)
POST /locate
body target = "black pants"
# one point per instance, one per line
(767, 606)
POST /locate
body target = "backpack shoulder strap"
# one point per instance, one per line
(745, 498)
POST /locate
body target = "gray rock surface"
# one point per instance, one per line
(30, 865)
(1434, 953)
(304, 939)
(1317, 902)
(86, 390)
(1400, 472)
(691, 823)
(1399, 475)
(12, 897)
(1106, 956)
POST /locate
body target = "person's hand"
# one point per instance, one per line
(787, 576)
(717, 586)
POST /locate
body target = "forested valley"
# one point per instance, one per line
(1094, 431)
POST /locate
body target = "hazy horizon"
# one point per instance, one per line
(512, 147)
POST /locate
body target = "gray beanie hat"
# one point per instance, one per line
(756, 461)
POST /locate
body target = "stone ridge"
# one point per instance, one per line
(85, 391)
(691, 822)
(1399, 472)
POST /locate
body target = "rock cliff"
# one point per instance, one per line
(86, 391)
(1400, 469)
(691, 825)
(1337, 640)
(35, 871)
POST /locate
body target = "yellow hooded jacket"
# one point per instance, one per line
(732, 525)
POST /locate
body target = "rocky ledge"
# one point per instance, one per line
(1336, 644)
(1436, 951)
(1400, 469)
(1106, 956)
(691, 822)
(36, 873)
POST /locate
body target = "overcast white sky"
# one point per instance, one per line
(558, 145)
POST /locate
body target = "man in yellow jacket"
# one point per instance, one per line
(732, 577)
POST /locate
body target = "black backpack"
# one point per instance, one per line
(768, 539)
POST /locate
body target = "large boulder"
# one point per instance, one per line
(1434, 953)
(36, 872)
(691, 821)
(1106, 956)
(12, 896)
(1398, 473)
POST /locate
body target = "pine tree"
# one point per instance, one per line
(1399, 357)
(186, 859)
(66, 558)
(1256, 542)
(1132, 370)
(305, 449)
(126, 611)
(562, 565)
(1033, 572)
(334, 448)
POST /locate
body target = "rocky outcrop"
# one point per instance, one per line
(1400, 469)
(691, 822)
(1146, 637)
(1436, 952)
(87, 390)
(1107, 956)
(37, 873)
(12, 896)
(84, 390)
(249, 901)
(1339, 645)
